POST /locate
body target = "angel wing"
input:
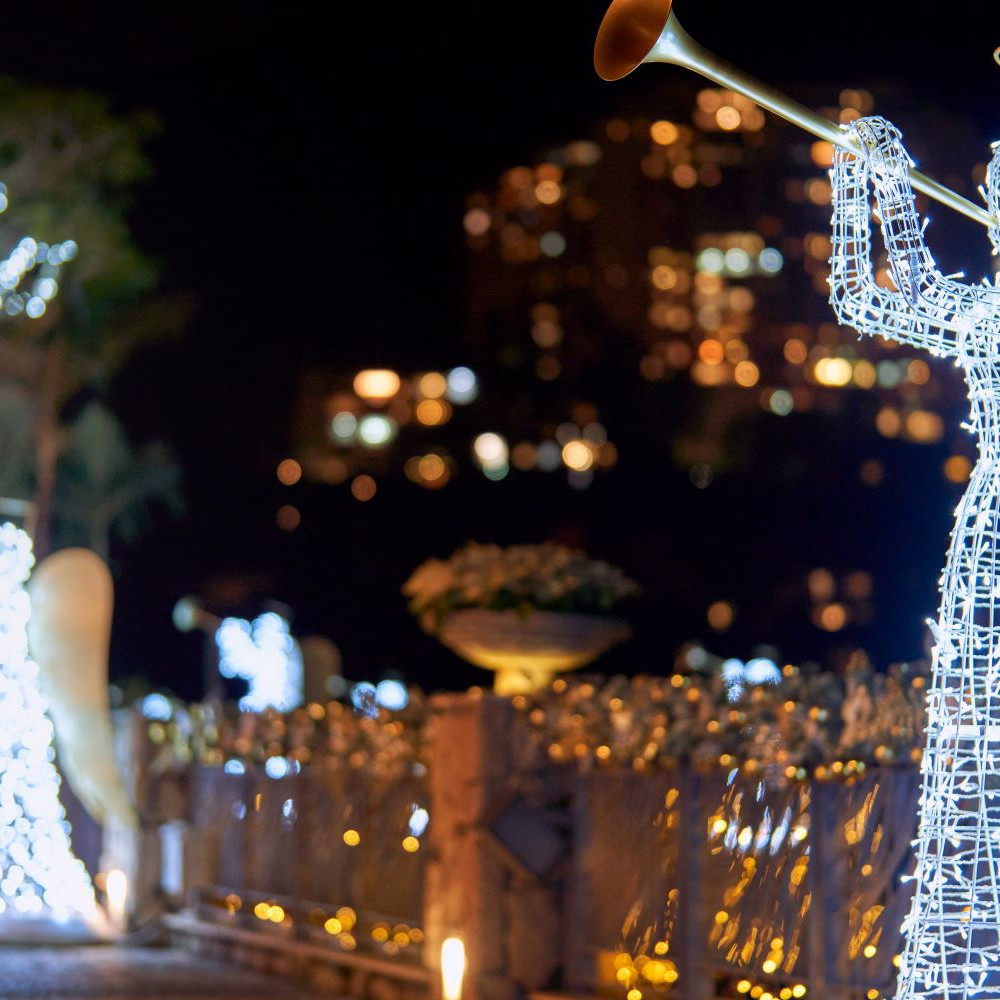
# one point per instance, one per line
(69, 636)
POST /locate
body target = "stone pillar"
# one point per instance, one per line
(466, 877)
(132, 849)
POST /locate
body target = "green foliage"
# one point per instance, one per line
(71, 166)
(104, 485)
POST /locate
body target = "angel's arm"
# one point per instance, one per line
(926, 309)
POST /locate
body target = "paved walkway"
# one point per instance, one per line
(106, 972)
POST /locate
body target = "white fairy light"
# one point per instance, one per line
(41, 878)
(952, 932)
(40, 261)
(264, 654)
(737, 675)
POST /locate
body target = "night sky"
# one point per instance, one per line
(310, 177)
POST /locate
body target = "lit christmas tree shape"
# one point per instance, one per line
(44, 888)
(952, 933)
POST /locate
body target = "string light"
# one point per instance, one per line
(39, 876)
(40, 260)
(952, 932)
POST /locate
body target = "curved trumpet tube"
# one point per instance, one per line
(640, 31)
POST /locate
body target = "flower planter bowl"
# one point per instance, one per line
(526, 652)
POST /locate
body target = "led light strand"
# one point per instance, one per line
(952, 932)
(39, 260)
(39, 876)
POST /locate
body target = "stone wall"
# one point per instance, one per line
(557, 876)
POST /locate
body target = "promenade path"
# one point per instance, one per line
(106, 972)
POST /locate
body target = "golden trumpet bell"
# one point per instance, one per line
(637, 31)
(628, 32)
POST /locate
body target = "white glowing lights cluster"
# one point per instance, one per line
(264, 654)
(39, 260)
(952, 933)
(42, 262)
(738, 675)
(39, 876)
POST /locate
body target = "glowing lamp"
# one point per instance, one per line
(452, 968)
(116, 889)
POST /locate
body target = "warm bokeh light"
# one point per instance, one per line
(663, 133)
(795, 351)
(578, 455)
(684, 175)
(352, 838)
(957, 469)
(490, 449)
(728, 118)
(289, 472)
(871, 472)
(432, 385)
(821, 153)
(736, 351)
(433, 412)
(720, 615)
(821, 584)
(831, 617)
(833, 371)
(363, 488)
(711, 352)
(548, 367)
(476, 222)
(746, 374)
(888, 422)
(548, 192)
(663, 277)
(918, 372)
(924, 426)
(376, 384)
(524, 456)
(864, 374)
(288, 517)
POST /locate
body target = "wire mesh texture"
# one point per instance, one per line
(952, 932)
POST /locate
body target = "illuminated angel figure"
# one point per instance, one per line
(952, 933)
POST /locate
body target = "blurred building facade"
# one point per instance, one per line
(650, 369)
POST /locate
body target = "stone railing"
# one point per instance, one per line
(674, 880)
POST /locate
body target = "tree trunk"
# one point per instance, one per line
(47, 445)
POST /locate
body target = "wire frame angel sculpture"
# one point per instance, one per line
(952, 932)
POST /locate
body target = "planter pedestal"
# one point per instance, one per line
(526, 652)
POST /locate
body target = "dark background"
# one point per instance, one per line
(310, 179)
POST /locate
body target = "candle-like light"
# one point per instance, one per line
(117, 893)
(452, 968)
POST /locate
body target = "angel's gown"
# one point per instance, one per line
(952, 933)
